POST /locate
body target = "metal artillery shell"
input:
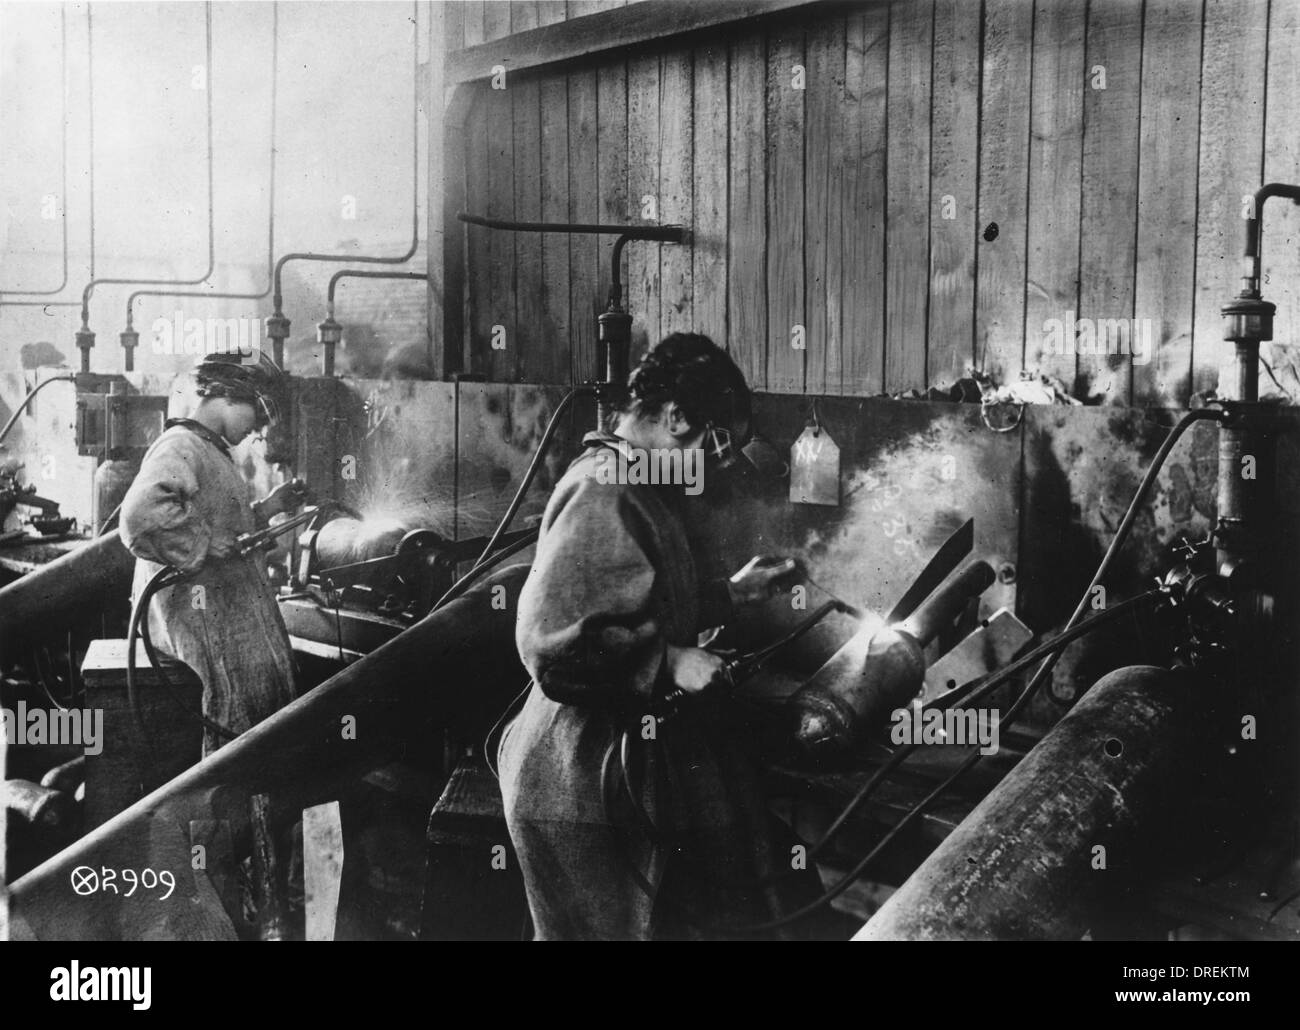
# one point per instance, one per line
(866, 679)
(36, 805)
(877, 671)
(96, 570)
(1024, 865)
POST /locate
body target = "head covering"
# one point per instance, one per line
(259, 383)
(693, 372)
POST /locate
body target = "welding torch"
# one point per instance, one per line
(247, 543)
(743, 667)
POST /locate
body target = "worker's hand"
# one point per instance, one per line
(221, 547)
(759, 579)
(694, 670)
(284, 498)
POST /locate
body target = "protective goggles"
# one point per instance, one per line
(255, 384)
(268, 412)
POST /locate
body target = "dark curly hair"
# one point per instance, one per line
(693, 372)
(260, 383)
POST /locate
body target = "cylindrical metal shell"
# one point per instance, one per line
(1062, 831)
(99, 569)
(66, 777)
(947, 602)
(345, 541)
(877, 671)
(113, 479)
(457, 661)
(36, 805)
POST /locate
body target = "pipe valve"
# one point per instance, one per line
(329, 334)
(277, 331)
(130, 341)
(85, 344)
(1248, 319)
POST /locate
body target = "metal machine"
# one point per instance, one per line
(420, 647)
(355, 584)
(1106, 788)
(14, 495)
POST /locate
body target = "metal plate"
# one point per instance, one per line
(990, 647)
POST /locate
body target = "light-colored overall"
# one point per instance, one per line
(222, 621)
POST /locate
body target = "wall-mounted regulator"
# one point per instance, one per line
(614, 325)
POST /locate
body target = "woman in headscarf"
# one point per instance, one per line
(628, 825)
(186, 507)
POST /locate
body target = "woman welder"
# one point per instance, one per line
(185, 508)
(607, 624)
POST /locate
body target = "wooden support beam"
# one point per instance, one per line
(605, 32)
(322, 861)
(444, 238)
(212, 859)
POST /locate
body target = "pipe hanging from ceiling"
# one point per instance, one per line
(91, 130)
(277, 326)
(85, 337)
(329, 333)
(63, 196)
(625, 233)
(129, 336)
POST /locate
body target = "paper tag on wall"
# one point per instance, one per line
(815, 468)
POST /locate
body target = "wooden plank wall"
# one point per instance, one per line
(883, 195)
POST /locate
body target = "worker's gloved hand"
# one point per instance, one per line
(284, 498)
(762, 577)
(694, 670)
